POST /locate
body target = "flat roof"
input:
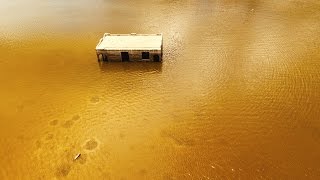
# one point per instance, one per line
(130, 42)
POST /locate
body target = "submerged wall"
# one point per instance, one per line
(134, 55)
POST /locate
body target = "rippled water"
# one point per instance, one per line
(236, 97)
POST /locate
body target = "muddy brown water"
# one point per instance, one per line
(236, 97)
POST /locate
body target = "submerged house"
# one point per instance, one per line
(130, 47)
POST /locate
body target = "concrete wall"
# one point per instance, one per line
(134, 55)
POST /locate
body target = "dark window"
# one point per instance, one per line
(125, 56)
(156, 58)
(145, 55)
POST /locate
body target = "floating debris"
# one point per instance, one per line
(77, 156)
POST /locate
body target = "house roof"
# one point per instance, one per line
(130, 42)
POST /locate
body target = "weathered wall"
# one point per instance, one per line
(134, 55)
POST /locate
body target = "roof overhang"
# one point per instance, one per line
(130, 42)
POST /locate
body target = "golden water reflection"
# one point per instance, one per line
(237, 95)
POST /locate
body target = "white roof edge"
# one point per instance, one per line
(99, 43)
(102, 44)
(132, 34)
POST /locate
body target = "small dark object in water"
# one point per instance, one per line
(77, 156)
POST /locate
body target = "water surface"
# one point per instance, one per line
(236, 97)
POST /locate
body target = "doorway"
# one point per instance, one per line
(105, 57)
(145, 55)
(156, 58)
(124, 56)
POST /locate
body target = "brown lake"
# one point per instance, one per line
(237, 95)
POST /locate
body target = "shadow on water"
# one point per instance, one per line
(143, 67)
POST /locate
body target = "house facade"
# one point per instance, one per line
(130, 47)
